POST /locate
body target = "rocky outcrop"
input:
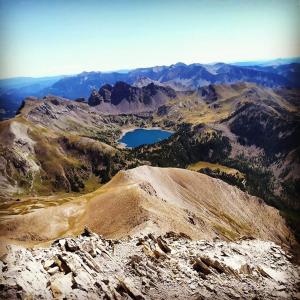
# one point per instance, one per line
(124, 98)
(105, 92)
(149, 267)
(94, 98)
(144, 81)
(208, 93)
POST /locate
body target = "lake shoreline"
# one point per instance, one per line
(126, 130)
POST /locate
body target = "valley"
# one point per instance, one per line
(227, 167)
(85, 143)
(149, 150)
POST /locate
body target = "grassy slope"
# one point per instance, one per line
(215, 166)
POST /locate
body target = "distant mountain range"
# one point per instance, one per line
(14, 90)
(180, 77)
(273, 62)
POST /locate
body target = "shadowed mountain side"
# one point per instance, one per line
(124, 98)
(148, 199)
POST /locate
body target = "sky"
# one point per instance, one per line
(55, 37)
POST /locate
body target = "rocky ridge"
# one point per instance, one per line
(125, 98)
(152, 200)
(149, 267)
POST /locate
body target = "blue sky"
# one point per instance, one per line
(41, 37)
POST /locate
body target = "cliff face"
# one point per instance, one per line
(124, 98)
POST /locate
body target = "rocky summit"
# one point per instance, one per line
(149, 267)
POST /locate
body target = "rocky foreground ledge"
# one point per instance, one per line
(168, 267)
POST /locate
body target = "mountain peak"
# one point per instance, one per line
(179, 64)
(121, 95)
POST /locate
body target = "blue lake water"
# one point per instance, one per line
(142, 136)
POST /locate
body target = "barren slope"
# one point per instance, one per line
(36, 160)
(148, 199)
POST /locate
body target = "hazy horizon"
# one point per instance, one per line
(156, 65)
(49, 38)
